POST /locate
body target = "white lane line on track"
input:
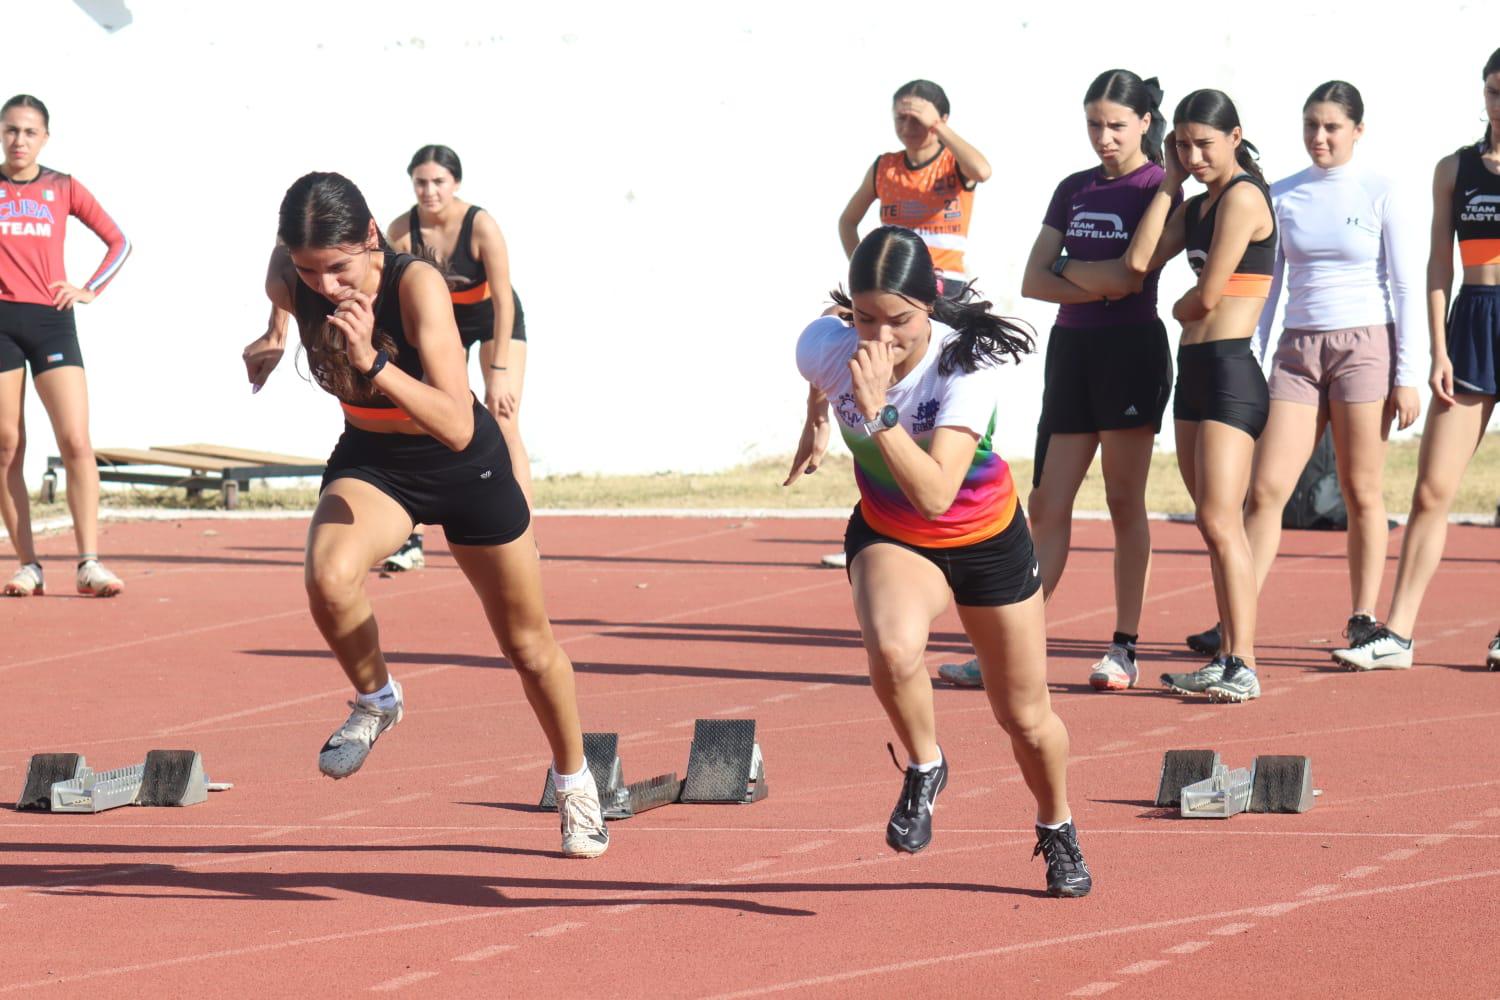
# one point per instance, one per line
(1229, 930)
(280, 831)
(1141, 968)
(803, 848)
(1401, 855)
(484, 953)
(1361, 871)
(1466, 824)
(336, 817)
(853, 974)
(1093, 989)
(555, 930)
(403, 799)
(1186, 948)
(401, 982)
(99, 973)
(753, 866)
(1314, 891)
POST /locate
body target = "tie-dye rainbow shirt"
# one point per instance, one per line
(926, 400)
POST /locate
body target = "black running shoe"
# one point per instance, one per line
(1067, 873)
(1360, 629)
(910, 828)
(1206, 642)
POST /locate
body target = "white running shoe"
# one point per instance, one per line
(964, 675)
(26, 582)
(408, 557)
(1115, 671)
(1380, 651)
(96, 581)
(835, 560)
(346, 749)
(1492, 658)
(584, 834)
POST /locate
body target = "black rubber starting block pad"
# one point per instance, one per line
(661, 790)
(173, 778)
(724, 764)
(1183, 767)
(1282, 784)
(44, 770)
(602, 751)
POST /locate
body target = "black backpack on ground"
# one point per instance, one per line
(1316, 504)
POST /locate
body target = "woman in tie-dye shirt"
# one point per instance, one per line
(915, 387)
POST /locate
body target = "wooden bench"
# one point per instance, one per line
(208, 466)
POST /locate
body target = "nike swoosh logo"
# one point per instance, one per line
(1036, 568)
(899, 829)
(1383, 656)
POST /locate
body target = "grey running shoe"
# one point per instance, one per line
(1381, 650)
(96, 581)
(964, 675)
(834, 560)
(408, 556)
(1198, 681)
(1239, 682)
(346, 750)
(584, 834)
(1115, 671)
(26, 582)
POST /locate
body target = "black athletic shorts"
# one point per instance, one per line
(472, 493)
(476, 323)
(38, 335)
(1221, 380)
(989, 574)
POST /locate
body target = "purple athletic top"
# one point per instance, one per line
(1097, 216)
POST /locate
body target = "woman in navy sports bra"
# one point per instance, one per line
(417, 447)
(1221, 401)
(1465, 374)
(465, 242)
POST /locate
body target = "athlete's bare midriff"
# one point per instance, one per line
(1234, 318)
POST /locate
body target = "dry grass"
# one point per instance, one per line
(759, 485)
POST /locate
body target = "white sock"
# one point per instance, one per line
(1053, 826)
(924, 768)
(384, 698)
(571, 782)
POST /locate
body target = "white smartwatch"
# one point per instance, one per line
(887, 418)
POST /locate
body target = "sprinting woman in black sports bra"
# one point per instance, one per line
(417, 448)
(466, 243)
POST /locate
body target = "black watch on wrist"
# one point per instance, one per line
(887, 418)
(1060, 263)
(381, 357)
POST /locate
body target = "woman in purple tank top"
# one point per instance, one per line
(1109, 365)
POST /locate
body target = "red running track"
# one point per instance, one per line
(430, 873)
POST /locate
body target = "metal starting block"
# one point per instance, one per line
(724, 764)
(1218, 797)
(1273, 784)
(602, 753)
(1283, 784)
(1180, 768)
(167, 778)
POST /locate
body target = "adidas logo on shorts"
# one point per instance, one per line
(1131, 411)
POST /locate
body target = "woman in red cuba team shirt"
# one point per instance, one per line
(37, 329)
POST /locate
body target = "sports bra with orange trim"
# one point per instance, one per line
(310, 304)
(1252, 277)
(1476, 209)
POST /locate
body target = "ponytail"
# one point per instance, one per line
(984, 339)
(1246, 156)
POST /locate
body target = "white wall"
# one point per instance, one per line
(668, 176)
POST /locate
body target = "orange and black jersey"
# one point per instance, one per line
(1252, 277)
(933, 198)
(468, 284)
(311, 307)
(1476, 209)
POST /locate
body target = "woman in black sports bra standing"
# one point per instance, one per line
(1221, 401)
(467, 244)
(417, 448)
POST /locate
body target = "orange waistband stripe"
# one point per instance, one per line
(1249, 286)
(391, 414)
(1477, 253)
(469, 296)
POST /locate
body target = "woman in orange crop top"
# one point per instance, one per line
(467, 243)
(1465, 374)
(417, 447)
(1220, 401)
(927, 187)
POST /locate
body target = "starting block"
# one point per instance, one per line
(1180, 768)
(1282, 784)
(65, 783)
(724, 764)
(1218, 797)
(602, 753)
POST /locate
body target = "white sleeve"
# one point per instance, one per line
(1402, 249)
(1267, 322)
(824, 349)
(970, 399)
